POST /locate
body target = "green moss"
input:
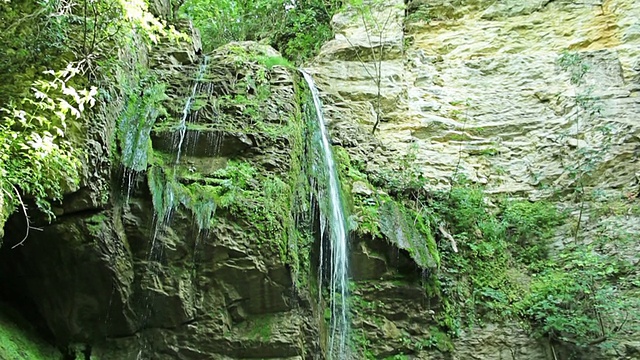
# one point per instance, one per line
(439, 340)
(261, 328)
(135, 124)
(167, 193)
(202, 201)
(96, 223)
(408, 229)
(17, 342)
(366, 208)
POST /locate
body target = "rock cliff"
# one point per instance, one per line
(194, 233)
(478, 91)
(189, 249)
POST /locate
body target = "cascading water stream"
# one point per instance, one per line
(333, 217)
(187, 109)
(161, 220)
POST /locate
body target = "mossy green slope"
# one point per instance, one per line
(19, 343)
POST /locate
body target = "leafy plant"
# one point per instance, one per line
(587, 154)
(530, 226)
(375, 16)
(297, 29)
(575, 300)
(36, 157)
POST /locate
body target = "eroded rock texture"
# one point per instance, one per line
(484, 85)
(144, 276)
(475, 89)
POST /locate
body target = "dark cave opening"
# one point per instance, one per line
(17, 290)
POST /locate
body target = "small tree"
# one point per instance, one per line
(587, 154)
(375, 22)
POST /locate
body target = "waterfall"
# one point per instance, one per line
(162, 216)
(333, 222)
(187, 109)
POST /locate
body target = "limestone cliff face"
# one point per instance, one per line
(475, 89)
(478, 82)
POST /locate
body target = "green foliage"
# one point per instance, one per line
(38, 132)
(483, 247)
(363, 344)
(577, 300)
(39, 35)
(530, 227)
(271, 61)
(32, 42)
(296, 29)
(35, 155)
(19, 342)
(475, 281)
(437, 340)
(488, 243)
(573, 63)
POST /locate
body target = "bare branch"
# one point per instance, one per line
(449, 237)
(26, 216)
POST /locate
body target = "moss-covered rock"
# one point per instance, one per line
(20, 341)
(193, 258)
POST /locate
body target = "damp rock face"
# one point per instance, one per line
(476, 89)
(187, 247)
(195, 255)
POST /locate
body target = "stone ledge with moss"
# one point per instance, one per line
(191, 258)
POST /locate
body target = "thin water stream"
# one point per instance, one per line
(334, 223)
(182, 127)
(164, 219)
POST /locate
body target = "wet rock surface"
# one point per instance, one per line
(474, 88)
(129, 284)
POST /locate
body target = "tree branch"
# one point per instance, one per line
(26, 216)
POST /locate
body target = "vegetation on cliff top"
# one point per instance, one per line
(297, 28)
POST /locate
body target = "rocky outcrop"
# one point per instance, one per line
(183, 240)
(487, 89)
(126, 272)
(475, 89)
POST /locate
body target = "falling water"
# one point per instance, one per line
(333, 217)
(187, 109)
(162, 217)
